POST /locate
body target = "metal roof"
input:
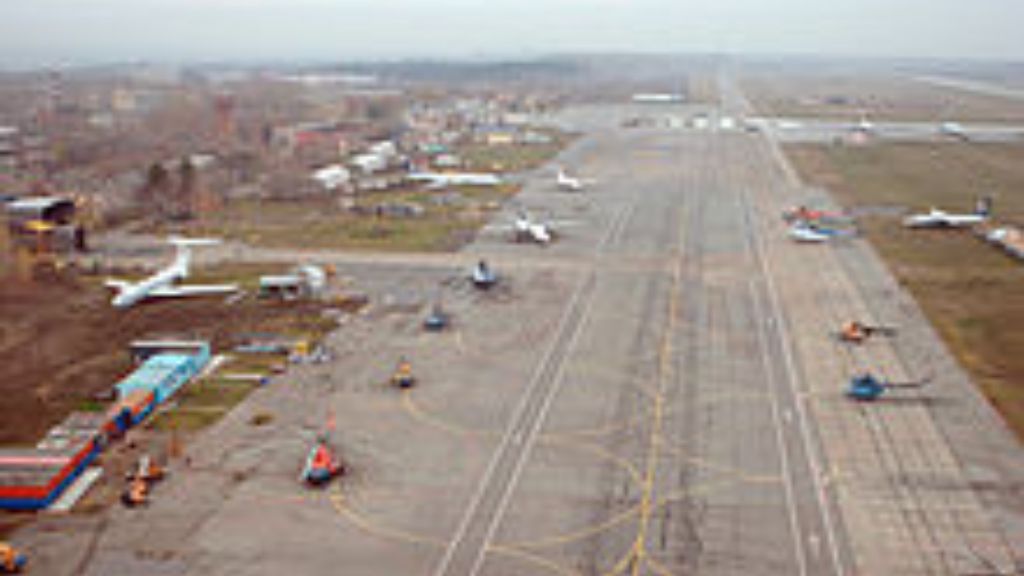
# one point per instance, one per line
(35, 203)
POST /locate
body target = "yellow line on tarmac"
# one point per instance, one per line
(339, 503)
(533, 559)
(605, 430)
(420, 415)
(623, 564)
(705, 488)
(664, 372)
(718, 467)
(657, 567)
(633, 421)
(598, 451)
(578, 535)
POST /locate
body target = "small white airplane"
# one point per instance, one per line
(811, 234)
(570, 183)
(952, 129)
(527, 230)
(523, 229)
(445, 179)
(936, 218)
(164, 283)
(863, 126)
(784, 124)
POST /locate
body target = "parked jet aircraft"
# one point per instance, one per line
(864, 126)
(445, 179)
(526, 228)
(813, 234)
(953, 129)
(164, 283)
(570, 183)
(936, 218)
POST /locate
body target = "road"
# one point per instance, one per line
(654, 394)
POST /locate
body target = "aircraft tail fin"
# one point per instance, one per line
(983, 206)
(183, 257)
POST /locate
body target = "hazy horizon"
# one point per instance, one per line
(39, 32)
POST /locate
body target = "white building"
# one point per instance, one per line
(333, 177)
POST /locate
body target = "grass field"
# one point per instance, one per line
(450, 218)
(322, 223)
(847, 96)
(511, 157)
(203, 403)
(972, 293)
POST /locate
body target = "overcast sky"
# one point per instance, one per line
(74, 31)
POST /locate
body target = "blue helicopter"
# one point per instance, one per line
(867, 387)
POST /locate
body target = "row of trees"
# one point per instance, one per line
(175, 195)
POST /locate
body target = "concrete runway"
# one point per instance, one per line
(827, 131)
(656, 393)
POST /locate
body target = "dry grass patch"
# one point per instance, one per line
(843, 95)
(972, 293)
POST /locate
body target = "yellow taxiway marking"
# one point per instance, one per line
(624, 563)
(657, 568)
(578, 535)
(596, 450)
(605, 430)
(702, 489)
(638, 419)
(654, 446)
(429, 419)
(340, 504)
(533, 559)
(718, 467)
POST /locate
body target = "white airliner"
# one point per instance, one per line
(936, 218)
(445, 179)
(164, 284)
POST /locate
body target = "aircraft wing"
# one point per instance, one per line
(119, 285)
(497, 228)
(562, 223)
(192, 290)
